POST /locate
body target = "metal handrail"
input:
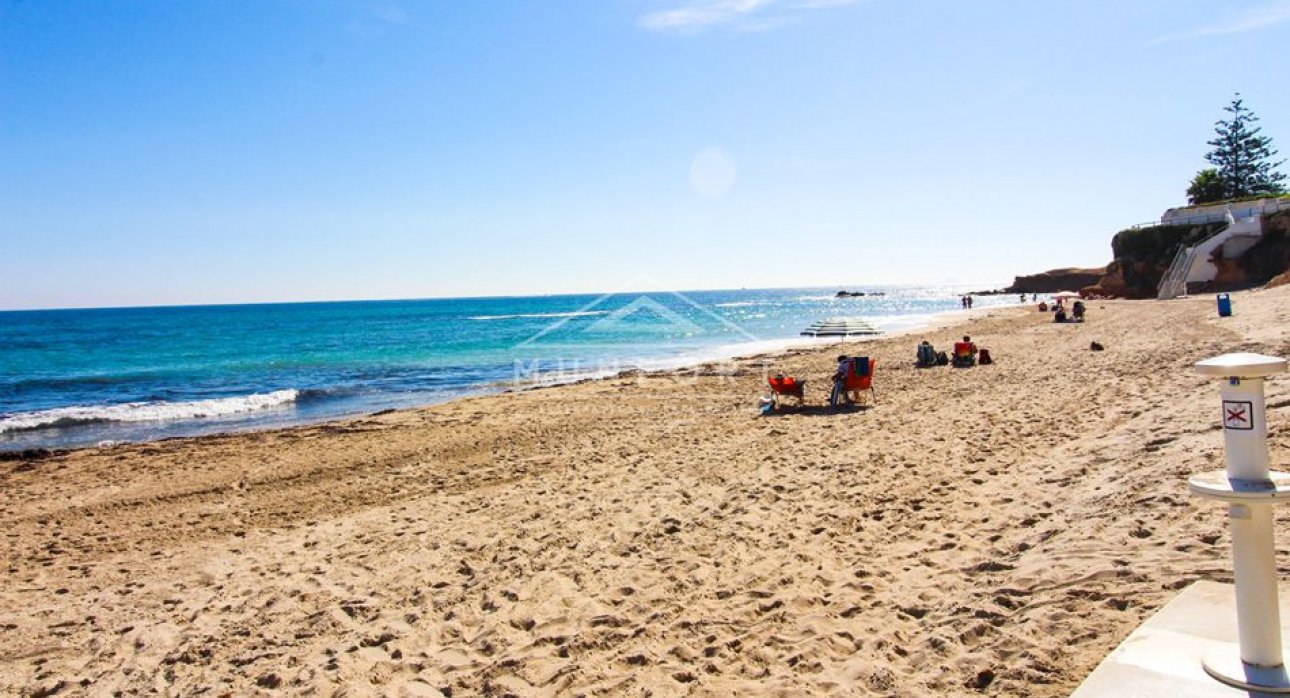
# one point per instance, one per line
(1271, 206)
(1167, 288)
(1215, 217)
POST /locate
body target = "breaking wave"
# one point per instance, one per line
(577, 313)
(146, 411)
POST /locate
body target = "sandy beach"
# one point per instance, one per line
(986, 531)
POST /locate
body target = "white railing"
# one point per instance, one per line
(1174, 282)
(1268, 206)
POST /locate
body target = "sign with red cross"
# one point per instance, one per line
(1238, 415)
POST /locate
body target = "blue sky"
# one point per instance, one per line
(240, 151)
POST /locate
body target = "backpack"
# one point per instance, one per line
(942, 359)
(983, 357)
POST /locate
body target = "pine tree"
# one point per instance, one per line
(1243, 157)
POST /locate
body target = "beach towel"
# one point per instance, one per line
(860, 366)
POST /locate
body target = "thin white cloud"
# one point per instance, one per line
(700, 14)
(1250, 20)
(752, 14)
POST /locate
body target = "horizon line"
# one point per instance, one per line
(320, 301)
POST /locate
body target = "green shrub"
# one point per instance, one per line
(1159, 241)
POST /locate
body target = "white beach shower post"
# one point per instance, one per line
(1249, 489)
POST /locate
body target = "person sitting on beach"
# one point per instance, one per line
(926, 355)
(840, 381)
(1077, 311)
(965, 352)
(852, 381)
(1060, 315)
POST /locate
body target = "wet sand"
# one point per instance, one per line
(986, 531)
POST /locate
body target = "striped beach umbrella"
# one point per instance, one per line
(840, 327)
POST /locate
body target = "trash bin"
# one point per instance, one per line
(1224, 305)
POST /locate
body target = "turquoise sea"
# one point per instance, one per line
(79, 377)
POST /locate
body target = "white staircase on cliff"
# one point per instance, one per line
(1195, 263)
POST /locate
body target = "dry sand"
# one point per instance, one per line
(994, 530)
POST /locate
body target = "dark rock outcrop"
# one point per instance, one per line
(1056, 280)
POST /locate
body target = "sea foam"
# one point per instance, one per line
(145, 411)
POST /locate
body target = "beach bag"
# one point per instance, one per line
(942, 359)
(983, 357)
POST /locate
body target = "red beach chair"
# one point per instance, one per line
(782, 386)
(859, 380)
(964, 353)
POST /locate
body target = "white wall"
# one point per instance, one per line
(1233, 240)
(1218, 212)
